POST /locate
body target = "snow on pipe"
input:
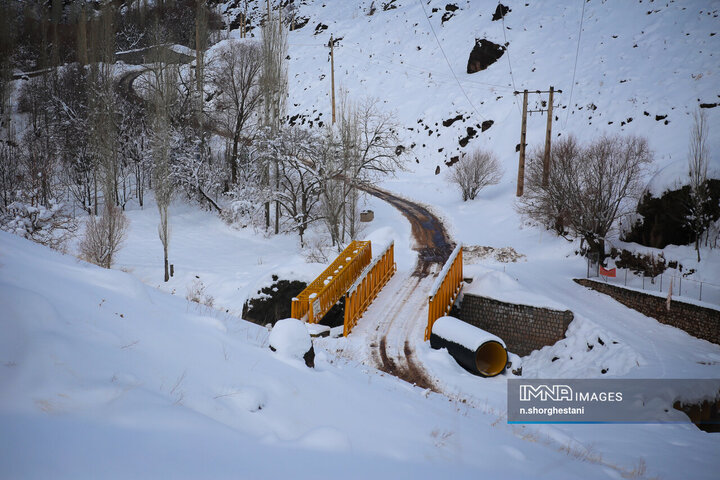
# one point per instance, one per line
(476, 350)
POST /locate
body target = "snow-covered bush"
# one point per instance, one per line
(103, 236)
(51, 226)
(245, 206)
(196, 293)
(474, 172)
(589, 186)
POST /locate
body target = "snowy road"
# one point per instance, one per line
(395, 322)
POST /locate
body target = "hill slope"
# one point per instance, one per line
(102, 376)
(638, 68)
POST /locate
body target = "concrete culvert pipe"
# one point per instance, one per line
(476, 350)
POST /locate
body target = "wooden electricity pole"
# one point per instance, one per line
(243, 26)
(548, 133)
(332, 77)
(521, 163)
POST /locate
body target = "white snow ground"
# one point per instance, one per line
(172, 389)
(105, 377)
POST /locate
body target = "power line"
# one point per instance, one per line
(507, 47)
(377, 58)
(448, 61)
(577, 52)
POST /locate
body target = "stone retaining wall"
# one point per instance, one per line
(698, 321)
(523, 328)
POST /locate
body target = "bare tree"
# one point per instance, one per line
(201, 27)
(10, 171)
(474, 172)
(368, 147)
(38, 149)
(299, 183)
(379, 142)
(589, 187)
(698, 159)
(349, 133)
(103, 131)
(103, 236)
(102, 105)
(73, 139)
(235, 75)
(133, 147)
(334, 188)
(274, 88)
(81, 34)
(164, 84)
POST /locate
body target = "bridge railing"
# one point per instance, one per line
(319, 297)
(362, 293)
(445, 289)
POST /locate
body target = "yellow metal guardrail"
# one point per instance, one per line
(362, 293)
(318, 298)
(445, 290)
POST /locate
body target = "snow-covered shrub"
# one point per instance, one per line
(245, 204)
(318, 249)
(51, 226)
(103, 236)
(474, 172)
(588, 188)
(196, 293)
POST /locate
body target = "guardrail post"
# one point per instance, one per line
(445, 290)
(367, 287)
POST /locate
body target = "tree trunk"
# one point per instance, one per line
(277, 204)
(167, 270)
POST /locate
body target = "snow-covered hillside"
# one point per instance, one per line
(114, 374)
(104, 377)
(642, 68)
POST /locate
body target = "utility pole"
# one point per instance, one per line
(243, 27)
(521, 162)
(548, 133)
(332, 76)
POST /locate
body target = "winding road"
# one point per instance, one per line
(400, 311)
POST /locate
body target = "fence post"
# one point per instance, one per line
(643, 277)
(680, 293)
(626, 277)
(661, 282)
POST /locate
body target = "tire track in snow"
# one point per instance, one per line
(402, 325)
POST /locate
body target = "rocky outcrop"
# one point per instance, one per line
(484, 54)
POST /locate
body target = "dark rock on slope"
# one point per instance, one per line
(500, 12)
(484, 54)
